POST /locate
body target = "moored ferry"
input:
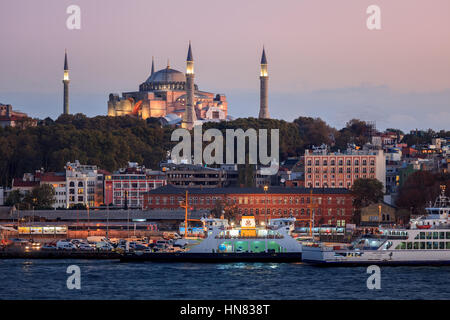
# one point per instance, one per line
(426, 242)
(224, 242)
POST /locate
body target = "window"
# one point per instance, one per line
(401, 246)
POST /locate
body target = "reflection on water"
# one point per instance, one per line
(103, 279)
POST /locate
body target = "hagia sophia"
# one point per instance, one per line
(173, 97)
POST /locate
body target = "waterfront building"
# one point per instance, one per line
(25, 184)
(324, 169)
(191, 175)
(199, 176)
(327, 205)
(11, 118)
(170, 92)
(84, 185)
(126, 188)
(58, 181)
(378, 213)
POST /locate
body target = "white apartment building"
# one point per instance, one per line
(81, 184)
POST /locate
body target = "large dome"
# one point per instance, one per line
(167, 75)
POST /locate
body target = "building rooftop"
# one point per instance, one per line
(170, 189)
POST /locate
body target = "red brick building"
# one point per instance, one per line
(329, 205)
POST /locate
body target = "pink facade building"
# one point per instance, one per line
(325, 169)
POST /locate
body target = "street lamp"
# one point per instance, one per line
(265, 201)
(89, 219)
(107, 221)
(128, 214)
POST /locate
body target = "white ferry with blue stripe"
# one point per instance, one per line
(425, 242)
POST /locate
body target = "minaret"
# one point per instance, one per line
(189, 116)
(153, 66)
(66, 85)
(263, 96)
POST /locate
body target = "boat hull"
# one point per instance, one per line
(378, 263)
(214, 257)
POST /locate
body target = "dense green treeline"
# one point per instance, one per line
(103, 141)
(110, 142)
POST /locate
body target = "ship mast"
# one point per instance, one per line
(185, 206)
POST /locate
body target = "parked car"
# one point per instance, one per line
(65, 245)
(48, 247)
(139, 247)
(104, 246)
(85, 247)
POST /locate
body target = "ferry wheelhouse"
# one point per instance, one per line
(248, 238)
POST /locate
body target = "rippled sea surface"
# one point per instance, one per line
(46, 279)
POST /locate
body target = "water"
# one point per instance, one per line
(46, 279)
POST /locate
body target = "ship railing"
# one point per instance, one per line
(250, 237)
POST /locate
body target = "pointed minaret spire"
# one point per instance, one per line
(189, 116)
(168, 63)
(153, 65)
(263, 58)
(190, 57)
(264, 88)
(66, 65)
(66, 81)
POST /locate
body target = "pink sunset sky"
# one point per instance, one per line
(323, 61)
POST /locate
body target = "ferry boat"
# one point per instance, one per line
(425, 242)
(223, 242)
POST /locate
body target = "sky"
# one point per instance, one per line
(323, 60)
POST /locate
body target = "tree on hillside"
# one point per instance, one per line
(14, 198)
(419, 189)
(315, 132)
(355, 131)
(365, 192)
(40, 197)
